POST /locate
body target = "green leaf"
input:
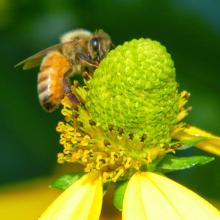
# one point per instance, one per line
(172, 163)
(66, 180)
(119, 194)
(191, 142)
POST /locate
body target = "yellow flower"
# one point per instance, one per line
(81, 201)
(124, 129)
(211, 144)
(150, 196)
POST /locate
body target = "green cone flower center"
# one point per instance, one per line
(134, 89)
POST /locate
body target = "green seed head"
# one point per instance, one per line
(135, 89)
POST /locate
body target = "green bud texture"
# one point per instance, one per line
(135, 89)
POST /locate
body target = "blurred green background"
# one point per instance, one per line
(189, 29)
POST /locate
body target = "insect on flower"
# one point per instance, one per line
(125, 130)
(79, 52)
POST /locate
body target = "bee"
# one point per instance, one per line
(79, 51)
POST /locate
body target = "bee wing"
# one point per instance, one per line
(35, 59)
(30, 62)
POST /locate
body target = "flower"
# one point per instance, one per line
(210, 144)
(128, 126)
(82, 200)
(158, 197)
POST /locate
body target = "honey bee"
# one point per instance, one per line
(78, 51)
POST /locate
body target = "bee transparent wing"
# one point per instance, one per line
(29, 63)
(35, 60)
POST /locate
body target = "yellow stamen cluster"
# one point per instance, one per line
(81, 147)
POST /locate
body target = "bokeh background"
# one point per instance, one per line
(189, 29)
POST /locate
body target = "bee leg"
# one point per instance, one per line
(70, 95)
(86, 75)
(84, 57)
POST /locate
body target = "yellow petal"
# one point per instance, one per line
(150, 196)
(212, 144)
(81, 201)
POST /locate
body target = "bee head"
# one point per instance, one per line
(99, 45)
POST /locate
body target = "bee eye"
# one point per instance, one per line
(95, 43)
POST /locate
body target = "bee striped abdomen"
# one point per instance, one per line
(50, 80)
